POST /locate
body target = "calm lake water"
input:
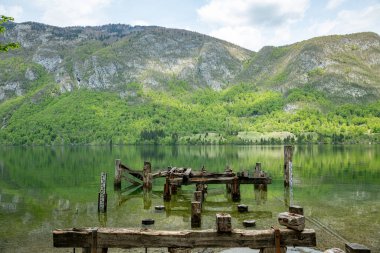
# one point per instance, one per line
(43, 188)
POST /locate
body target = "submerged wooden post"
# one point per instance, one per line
(117, 181)
(235, 189)
(356, 248)
(288, 166)
(223, 223)
(102, 195)
(147, 176)
(167, 195)
(196, 214)
(198, 196)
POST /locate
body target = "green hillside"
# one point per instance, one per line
(125, 85)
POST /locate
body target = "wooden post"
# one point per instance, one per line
(117, 181)
(257, 173)
(292, 221)
(167, 195)
(173, 187)
(296, 209)
(235, 189)
(356, 248)
(196, 214)
(147, 176)
(288, 166)
(198, 197)
(223, 223)
(102, 195)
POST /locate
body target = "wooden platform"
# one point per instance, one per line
(146, 238)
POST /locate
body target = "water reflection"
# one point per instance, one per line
(43, 188)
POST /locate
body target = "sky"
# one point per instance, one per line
(251, 24)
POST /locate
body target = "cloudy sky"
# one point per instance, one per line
(249, 23)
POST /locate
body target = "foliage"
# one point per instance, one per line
(7, 46)
(241, 114)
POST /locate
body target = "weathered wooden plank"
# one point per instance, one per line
(135, 238)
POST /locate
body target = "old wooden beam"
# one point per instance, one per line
(356, 248)
(136, 238)
(102, 195)
(221, 180)
(196, 214)
(117, 181)
(288, 166)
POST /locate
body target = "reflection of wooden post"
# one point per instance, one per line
(196, 214)
(223, 223)
(147, 172)
(228, 186)
(117, 182)
(257, 173)
(102, 196)
(147, 199)
(288, 155)
(356, 248)
(235, 189)
(173, 187)
(167, 195)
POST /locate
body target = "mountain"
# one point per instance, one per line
(133, 84)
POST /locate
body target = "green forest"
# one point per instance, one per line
(181, 114)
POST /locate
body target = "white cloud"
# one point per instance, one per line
(333, 4)
(350, 21)
(73, 12)
(14, 11)
(252, 12)
(252, 23)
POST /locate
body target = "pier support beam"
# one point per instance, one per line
(147, 176)
(102, 195)
(235, 194)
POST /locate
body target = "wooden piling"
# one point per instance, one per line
(223, 223)
(356, 248)
(198, 196)
(147, 176)
(173, 187)
(228, 186)
(117, 181)
(102, 195)
(288, 166)
(235, 193)
(196, 214)
(167, 195)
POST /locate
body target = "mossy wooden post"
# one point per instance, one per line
(167, 195)
(196, 214)
(173, 187)
(235, 189)
(228, 186)
(102, 195)
(147, 176)
(223, 223)
(288, 166)
(356, 248)
(117, 181)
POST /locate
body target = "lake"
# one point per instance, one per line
(44, 188)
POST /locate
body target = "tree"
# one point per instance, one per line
(11, 45)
